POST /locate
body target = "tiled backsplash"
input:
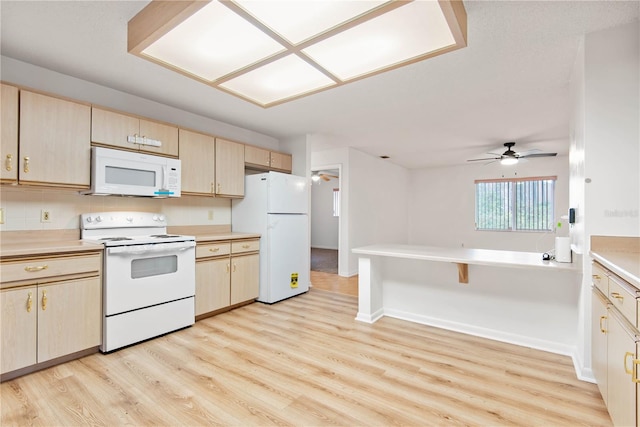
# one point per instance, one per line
(23, 206)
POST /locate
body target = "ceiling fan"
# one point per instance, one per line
(324, 176)
(511, 157)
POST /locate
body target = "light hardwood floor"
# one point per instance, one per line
(306, 361)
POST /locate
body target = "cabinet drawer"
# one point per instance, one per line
(623, 298)
(207, 250)
(245, 246)
(600, 278)
(42, 268)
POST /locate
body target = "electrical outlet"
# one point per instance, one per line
(210, 215)
(1, 215)
(45, 215)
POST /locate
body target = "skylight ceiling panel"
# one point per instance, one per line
(299, 20)
(398, 36)
(213, 42)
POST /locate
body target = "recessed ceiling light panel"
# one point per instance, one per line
(284, 78)
(299, 20)
(407, 32)
(213, 42)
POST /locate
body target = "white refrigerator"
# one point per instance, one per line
(276, 206)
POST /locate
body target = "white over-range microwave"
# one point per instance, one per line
(125, 173)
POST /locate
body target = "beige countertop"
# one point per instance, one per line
(36, 243)
(619, 254)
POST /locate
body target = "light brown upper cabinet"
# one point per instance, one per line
(262, 159)
(9, 137)
(229, 168)
(115, 129)
(54, 141)
(197, 153)
(281, 162)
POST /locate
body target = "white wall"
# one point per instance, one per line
(605, 151)
(298, 147)
(324, 226)
(442, 205)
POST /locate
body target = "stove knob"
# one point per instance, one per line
(89, 219)
(155, 218)
(161, 218)
(98, 218)
(130, 218)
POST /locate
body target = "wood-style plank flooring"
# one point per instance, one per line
(334, 283)
(307, 362)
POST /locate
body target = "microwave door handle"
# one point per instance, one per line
(165, 178)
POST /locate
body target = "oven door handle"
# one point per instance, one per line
(153, 248)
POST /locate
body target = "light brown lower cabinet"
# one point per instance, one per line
(227, 274)
(615, 346)
(47, 321)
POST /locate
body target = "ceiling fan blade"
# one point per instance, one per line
(325, 177)
(480, 160)
(538, 155)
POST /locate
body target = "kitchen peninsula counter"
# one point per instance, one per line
(509, 296)
(621, 255)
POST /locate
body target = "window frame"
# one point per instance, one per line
(513, 203)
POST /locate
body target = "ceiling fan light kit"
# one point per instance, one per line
(270, 52)
(510, 157)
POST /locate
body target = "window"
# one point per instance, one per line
(336, 202)
(525, 204)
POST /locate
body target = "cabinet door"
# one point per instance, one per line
(19, 317)
(54, 141)
(621, 388)
(111, 128)
(197, 153)
(9, 136)
(281, 162)
(245, 278)
(229, 168)
(599, 321)
(255, 156)
(212, 285)
(69, 317)
(166, 134)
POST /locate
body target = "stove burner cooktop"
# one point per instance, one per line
(163, 236)
(115, 239)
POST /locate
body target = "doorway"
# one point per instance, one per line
(325, 219)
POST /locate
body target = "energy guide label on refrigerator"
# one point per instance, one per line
(294, 280)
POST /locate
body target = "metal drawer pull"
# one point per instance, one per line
(628, 371)
(29, 302)
(227, 267)
(32, 269)
(245, 246)
(26, 164)
(595, 276)
(214, 249)
(44, 300)
(8, 164)
(602, 329)
(634, 374)
(617, 295)
(234, 266)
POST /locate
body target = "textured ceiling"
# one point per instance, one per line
(510, 84)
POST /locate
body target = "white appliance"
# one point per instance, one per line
(125, 173)
(148, 276)
(276, 206)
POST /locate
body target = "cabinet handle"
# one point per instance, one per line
(629, 371)
(26, 164)
(634, 374)
(596, 276)
(29, 302)
(213, 189)
(32, 269)
(8, 163)
(617, 295)
(227, 267)
(219, 188)
(245, 246)
(44, 300)
(214, 249)
(602, 329)
(234, 266)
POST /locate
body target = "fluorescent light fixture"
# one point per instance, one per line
(270, 52)
(509, 161)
